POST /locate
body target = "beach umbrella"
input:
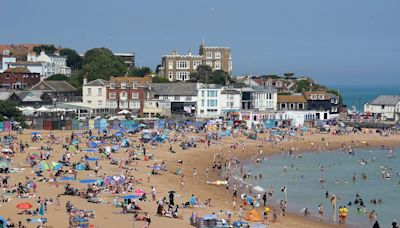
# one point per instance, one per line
(156, 167)
(123, 112)
(139, 191)
(240, 224)
(65, 178)
(56, 165)
(118, 134)
(258, 225)
(3, 222)
(35, 133)
(89, 150)
(88, 181)
(91, 159)
(130, 197)
(4, 163)
(172, 191)
(24, 206)
(80, 167)
(258, 189)
(210, 217)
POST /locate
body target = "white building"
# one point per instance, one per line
(182, 96)
(6, 61)
(52, 63)
(230, 100)
(384, 107)
(259, 98)
(94, 95)
(215, 101)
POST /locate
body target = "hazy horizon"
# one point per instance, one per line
(337, 42)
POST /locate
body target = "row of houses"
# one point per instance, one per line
(140, 97)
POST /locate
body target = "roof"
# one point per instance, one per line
(97, 82)
(291, 99)
(175, 89)
(21, 70)
(55, 86)
(230, 91)
(140, 80)
(308, 94)
(385, 100)
(5, 95)
(24, 63)
(258, 88)
(27, 96)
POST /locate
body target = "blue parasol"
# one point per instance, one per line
(35, 133)
(130, 197)
(88, 181)
(89, 150)
(65, 178)
(91, 159)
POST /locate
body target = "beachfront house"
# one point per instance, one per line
(52, 63)
(182, 97)
(292, 102)
(18, 79)
(384, 107)
(208, 103)
(323, 101)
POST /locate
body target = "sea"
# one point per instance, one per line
(304, 189)
(358, 95)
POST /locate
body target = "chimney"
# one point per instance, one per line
(85, 79)
(174, 52)
(190, 52)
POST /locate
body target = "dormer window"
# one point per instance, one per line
(135, 85)
(112, 85)
(123, 85)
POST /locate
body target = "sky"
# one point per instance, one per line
(336, 42)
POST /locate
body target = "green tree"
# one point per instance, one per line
(100, 63)
(48, 49)
(57, 77)
(158, 79)
(140, 71)
(204, 74)
(74, 60)
(302, 86)
(9, 109)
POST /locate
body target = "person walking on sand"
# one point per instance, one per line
(194, 174)
(153, 193)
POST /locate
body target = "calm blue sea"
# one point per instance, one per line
(358, 95)
(305, 191)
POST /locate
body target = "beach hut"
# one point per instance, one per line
(91, 124)
(7, 126)
(48, 125)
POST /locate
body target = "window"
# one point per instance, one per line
(209, 63)
(182, 75)
(301, 106)
(209, 55)
(177, 98)
(170, 65)
(182, 64)
(170, 75)
(202, 93)
(313, 97)
(89, 91)
(165, 97)
(196, 63)
(123, 104)
(202, 103)
(99, 103)
(135, 104)
(112, 85)
(188, 98)
(123, 85)
(212, 103)
(283, 105)
(217, 55)
(383, 107)
(217, 65)
(212, 93)
(134, 85)
(123, 95)
(112, 95)
(135, 95)
(99, 91)
(320, 97)
(89, 102)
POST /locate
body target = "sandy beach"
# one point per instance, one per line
(201, 157)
